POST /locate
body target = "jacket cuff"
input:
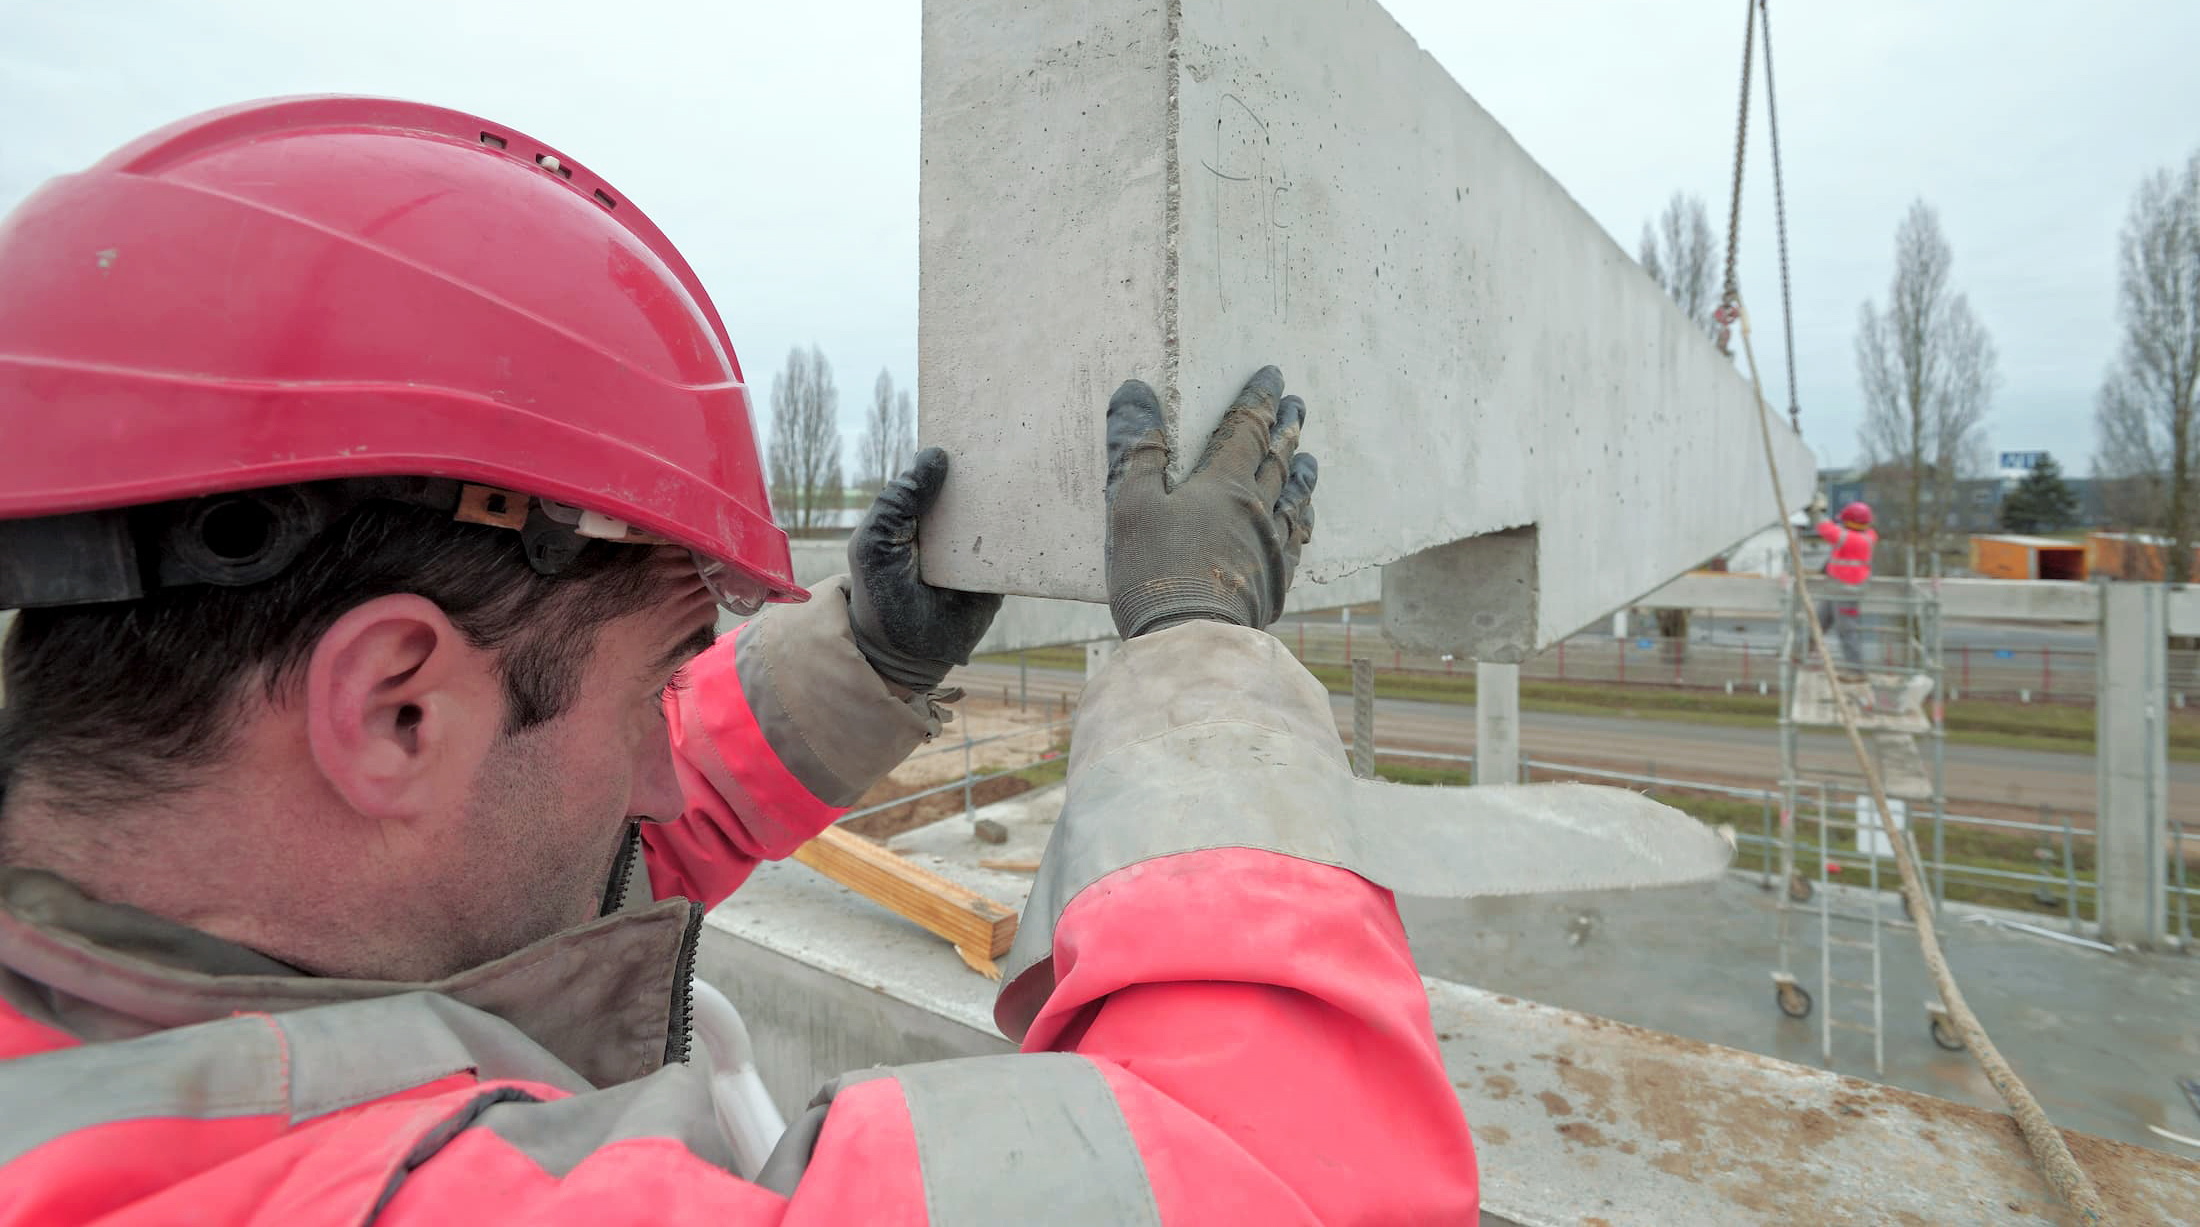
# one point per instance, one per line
(823, 711)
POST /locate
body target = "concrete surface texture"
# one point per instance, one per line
(1577, 1118)
(1185, 191)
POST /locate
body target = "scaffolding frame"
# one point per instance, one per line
(1911, 658)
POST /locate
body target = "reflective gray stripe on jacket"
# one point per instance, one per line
(823, 710)
(1018, 1138)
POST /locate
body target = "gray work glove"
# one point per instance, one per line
(911, 632)
(1817, 507)
(1222, 544)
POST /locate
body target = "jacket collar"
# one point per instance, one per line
(608, 998)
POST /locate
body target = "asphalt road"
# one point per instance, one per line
(1678, 750)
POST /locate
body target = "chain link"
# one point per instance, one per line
(1730, 295)
(1779, 210)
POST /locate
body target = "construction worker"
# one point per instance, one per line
(1849, 567)
(374, 477)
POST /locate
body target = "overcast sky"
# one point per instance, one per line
(777, 143)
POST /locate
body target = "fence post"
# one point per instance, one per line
(1966, 650)
(1745, 663)
(970, 808)
(1302, 641)
(2047, 673)
(1363, 719)
(1623, 662)
(1023, 683)
(1679, 646)
(1562, 660)
(2070, 870)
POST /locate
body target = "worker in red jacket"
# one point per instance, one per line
(1849, 568)
(374, 477)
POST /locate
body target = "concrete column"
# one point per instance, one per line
(1496, 723)
(2132, 755)
(1097, 655)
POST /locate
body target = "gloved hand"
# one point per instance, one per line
(910, 631)
(1223, 543)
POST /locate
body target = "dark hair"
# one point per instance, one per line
(113, 704)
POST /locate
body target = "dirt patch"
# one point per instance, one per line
(1582, 1132)
(1498, 1086)
(1554, 1103)
(1493, 1135)
(924, 811)
(1011, 737)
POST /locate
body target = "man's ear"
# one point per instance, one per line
(399, 707)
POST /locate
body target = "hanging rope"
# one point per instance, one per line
(1780, 213)
(1730, 295)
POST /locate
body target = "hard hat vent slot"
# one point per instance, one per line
(604, 198)
(492, 140)
(236, 531)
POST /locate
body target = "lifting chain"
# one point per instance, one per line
(1730, 295)
(1756, 13)
(1780, 214)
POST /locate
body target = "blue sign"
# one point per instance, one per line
(2003, 654)
(2021, 461)
(1646, 644)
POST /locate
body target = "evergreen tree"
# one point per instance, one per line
(2041, 503)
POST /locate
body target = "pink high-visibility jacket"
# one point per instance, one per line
(1851, 563)
(1229, 1035)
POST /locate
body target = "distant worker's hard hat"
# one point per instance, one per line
(337, 293)
(1856, 513)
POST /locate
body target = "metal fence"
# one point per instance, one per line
(2059, 846)
(2026, 674)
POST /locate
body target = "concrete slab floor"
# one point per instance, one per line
(1577, 1119)
(2101, 1038)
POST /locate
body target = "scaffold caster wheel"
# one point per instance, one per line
(1800, 890)
(1944, 1034)
(1794, 1001)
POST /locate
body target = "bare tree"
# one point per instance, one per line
(889, 434)
(2149, 442)
(805, 446)
(905, 431)
(1677, 253)
(1928, 372)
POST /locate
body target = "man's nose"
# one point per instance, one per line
(656, 796)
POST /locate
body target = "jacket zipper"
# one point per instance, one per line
(681, 1033)
(622, 871)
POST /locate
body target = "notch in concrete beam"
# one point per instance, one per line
(1474, 599)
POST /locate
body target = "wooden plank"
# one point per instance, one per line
(1009, 864)
(980, 929)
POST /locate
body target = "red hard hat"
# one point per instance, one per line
(318, 288)
(1856, 513)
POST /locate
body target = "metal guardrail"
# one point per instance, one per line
(2027, 674)
(2058, 839)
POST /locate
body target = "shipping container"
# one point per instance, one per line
(2010, 556)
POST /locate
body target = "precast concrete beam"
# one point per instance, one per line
(1185, 191)
(1033, 622)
